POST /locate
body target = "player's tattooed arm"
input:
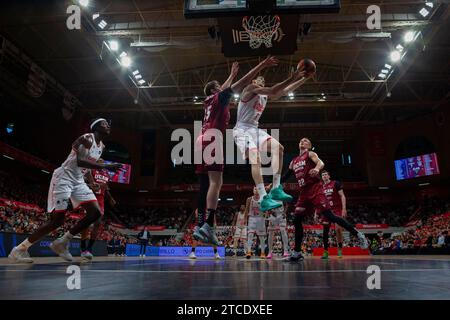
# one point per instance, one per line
(233, 74)
(239, 85)
(319, 164)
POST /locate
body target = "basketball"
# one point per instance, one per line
(308, 65)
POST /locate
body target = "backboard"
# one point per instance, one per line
(227, 8)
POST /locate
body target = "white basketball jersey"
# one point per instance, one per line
(70, 169)
(240, 222)
(250, 111)
(254, 209)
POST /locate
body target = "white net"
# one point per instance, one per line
(261, 29)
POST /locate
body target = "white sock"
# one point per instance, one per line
(24, 245)
(263, 244)
(270, 242)
(285, 239)
(67, 237)
(261, 191)
(276, 180)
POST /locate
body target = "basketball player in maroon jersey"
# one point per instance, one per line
(217, 116)
(98, 182)
(338, 203)
(306, 167)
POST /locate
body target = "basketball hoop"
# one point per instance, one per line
(261, 29)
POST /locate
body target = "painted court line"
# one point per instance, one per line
(231, 271)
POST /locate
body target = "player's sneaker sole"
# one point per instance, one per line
(60, 249)
(280, 195)
(209, 233)
(268, 203)
(18, 256)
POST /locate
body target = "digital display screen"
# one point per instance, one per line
(419, 166)
(120, 176)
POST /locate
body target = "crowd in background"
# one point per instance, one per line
(430, 231)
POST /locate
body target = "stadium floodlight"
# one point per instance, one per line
(113, 45)
(395, 56)
(83, 3)
(236, 96)
(196, 97)
(141, 82)
(409, 36)
(399, 48)
(382, 76)
(388, 66)
(290, 94)
(102, 24)
(138, 76)
(424, 12)
(135, 72)
(429, 4)
(95, 16)
(125, 61)
(123, 54)
(385, 71)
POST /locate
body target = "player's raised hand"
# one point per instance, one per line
(314, 172)
(270, 61)
(298, 74)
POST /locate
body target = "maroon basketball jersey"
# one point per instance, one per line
(301, 166)
(217, 111)
(101, 177)
(331, 190)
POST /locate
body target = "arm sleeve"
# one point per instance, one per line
(338, 185)
(224, 97)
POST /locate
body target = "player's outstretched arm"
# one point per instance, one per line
(245, 80)
(82, 146)
(343, 201)
(277, 88)
(233, 74)
(291, 88)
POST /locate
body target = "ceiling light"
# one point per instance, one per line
(95, 16)
(135, 72)
(429, 4)
(138, 76)
(141, 82)
(84, 3)
(382, 76)
(385, 71)
(113, 45)
(102, 24)
(388, 66)
(125, 61)
(424, 12)
(395, 56)
(409, 36)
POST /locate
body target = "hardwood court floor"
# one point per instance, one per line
(402, 277)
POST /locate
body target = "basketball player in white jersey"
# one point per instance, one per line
(68, 184)
(240, 225)
(251, 140)
(277, 222)
(256, 225)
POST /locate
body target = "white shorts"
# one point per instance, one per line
(240, 233)
(62, 189)
(257, 225)
(276, 223)
(248, 138)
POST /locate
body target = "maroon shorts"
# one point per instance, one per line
(204, 167)
(312, 198)
(336, 212)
